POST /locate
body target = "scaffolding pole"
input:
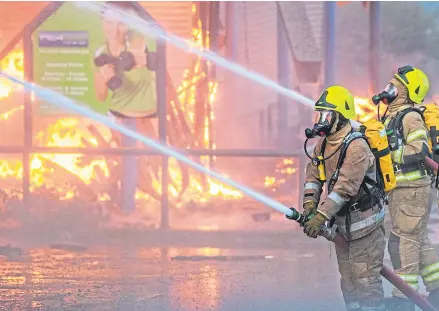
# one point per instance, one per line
(374, 46)
(283, 77)
(330, 7)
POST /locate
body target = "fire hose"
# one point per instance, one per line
(331, 235)
(432, 164)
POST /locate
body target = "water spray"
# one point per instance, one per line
(152, 28)
(65, 102)
(147, 27)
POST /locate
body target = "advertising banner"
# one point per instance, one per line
(97, 61)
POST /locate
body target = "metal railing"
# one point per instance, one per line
(164, 223)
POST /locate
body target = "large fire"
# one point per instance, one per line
(63, 174)
(49, 171)
(365, 109)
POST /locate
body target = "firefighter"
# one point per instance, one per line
(354, 201)
(410, 250)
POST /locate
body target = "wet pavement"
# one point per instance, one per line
(257, 272)
(156, 279)
(178, 279)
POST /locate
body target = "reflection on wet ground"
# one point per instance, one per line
(263, 273)
(156, 279)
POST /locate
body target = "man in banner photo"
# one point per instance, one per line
(123, 74)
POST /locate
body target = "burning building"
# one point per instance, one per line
(93, 177)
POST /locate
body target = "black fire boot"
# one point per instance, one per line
(399, 304)
(433, 298)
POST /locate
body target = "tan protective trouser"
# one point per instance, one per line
(410, 249)
(360, 267)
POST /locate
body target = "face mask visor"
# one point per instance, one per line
(390, 93)
(387, 96)
(323, 120)
(323, 117)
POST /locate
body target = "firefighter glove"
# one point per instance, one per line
(309, 207)
(312, 227)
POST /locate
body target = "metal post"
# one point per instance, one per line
(27, 115)
(374, 46)
(202, 89)
(129, 171)
(283, 77)
(232, 10)
(213, 40)
(270, 135)
(162, 119)
(214, 26)
(330, 7)
(227, 89)
(262, 130)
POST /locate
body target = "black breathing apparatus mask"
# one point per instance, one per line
(323, 122)
(387, 96)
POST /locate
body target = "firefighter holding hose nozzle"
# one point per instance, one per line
(410, 249)
(355, 198)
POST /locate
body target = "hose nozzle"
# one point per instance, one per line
(326, 232)
(296, 216)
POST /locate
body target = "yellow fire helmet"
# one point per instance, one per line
(416, 82)
(339, 99)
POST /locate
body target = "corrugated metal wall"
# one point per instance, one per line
(176, 18)
(315, 13)
(257, 50)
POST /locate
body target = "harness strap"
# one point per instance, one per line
(372, 195)
(350, 138)
(408, 168)
(396, 123)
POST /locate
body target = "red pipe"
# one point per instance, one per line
(393, 278)
(432, 163)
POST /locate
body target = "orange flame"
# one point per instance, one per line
(365, 109)
(72, 132)
(12, 64)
